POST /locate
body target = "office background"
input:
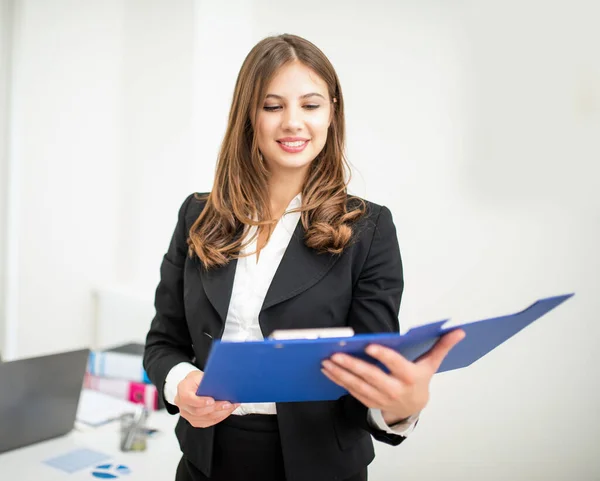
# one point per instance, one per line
(476, 121)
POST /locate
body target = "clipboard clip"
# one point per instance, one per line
(317, 333)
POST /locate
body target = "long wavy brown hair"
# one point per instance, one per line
(240, 193)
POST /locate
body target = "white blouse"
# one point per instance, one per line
(251, 283)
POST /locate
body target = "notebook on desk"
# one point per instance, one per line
(39, 397)
(290, 370)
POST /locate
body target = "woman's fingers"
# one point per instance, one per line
(407, 371)
(190, 398)
(433, 359)
(200, 411)
(400, 367)
(199, 406)
(361, 378)
(212, 418)
(204, 411)
(367, 400)
(369, 373)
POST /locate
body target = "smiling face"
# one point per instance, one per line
(293, 120)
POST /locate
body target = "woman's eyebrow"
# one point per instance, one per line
(312, 94)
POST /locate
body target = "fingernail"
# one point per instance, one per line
(210, 402)
(226, 406)
(372, 350)
(326, 364)
(338, 358)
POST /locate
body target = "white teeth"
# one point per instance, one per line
(294, 144)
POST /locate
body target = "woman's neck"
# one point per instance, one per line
(282, 189)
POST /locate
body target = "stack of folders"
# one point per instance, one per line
(118, 372)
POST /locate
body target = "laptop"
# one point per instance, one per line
(39, 397)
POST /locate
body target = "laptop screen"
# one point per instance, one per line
(39, 397)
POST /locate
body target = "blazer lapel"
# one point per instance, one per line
(299, 269)
(218, 284)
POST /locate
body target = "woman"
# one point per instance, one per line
(279, 244)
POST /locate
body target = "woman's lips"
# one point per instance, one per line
(293, 148)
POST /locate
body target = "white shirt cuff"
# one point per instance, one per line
(375, 419)
(175, 376)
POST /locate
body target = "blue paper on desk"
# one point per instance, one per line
(290, 370)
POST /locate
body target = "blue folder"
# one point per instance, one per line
(290, 370)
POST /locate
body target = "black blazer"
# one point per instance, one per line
(360, 288)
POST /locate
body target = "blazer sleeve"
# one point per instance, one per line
(168, 341)
(375, 306)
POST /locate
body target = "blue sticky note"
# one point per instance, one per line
(76, 460)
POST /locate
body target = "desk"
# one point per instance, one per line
(158, 462)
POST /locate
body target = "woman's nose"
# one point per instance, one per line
(291, 119)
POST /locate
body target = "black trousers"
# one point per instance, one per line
(246, 448)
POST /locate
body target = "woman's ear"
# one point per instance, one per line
(332, 111)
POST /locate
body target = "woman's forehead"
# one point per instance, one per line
(295, 80)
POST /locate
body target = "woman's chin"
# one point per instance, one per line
(290, 165)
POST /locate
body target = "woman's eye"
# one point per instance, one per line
(273, 108)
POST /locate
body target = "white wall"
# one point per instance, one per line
(65, 148)
(101, 110)
(476, 122)
(5, 50)
(157, 89)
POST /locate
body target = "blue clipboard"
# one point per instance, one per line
(290, 370)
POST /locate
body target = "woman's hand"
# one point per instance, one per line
(200, 411)
(399, 394)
